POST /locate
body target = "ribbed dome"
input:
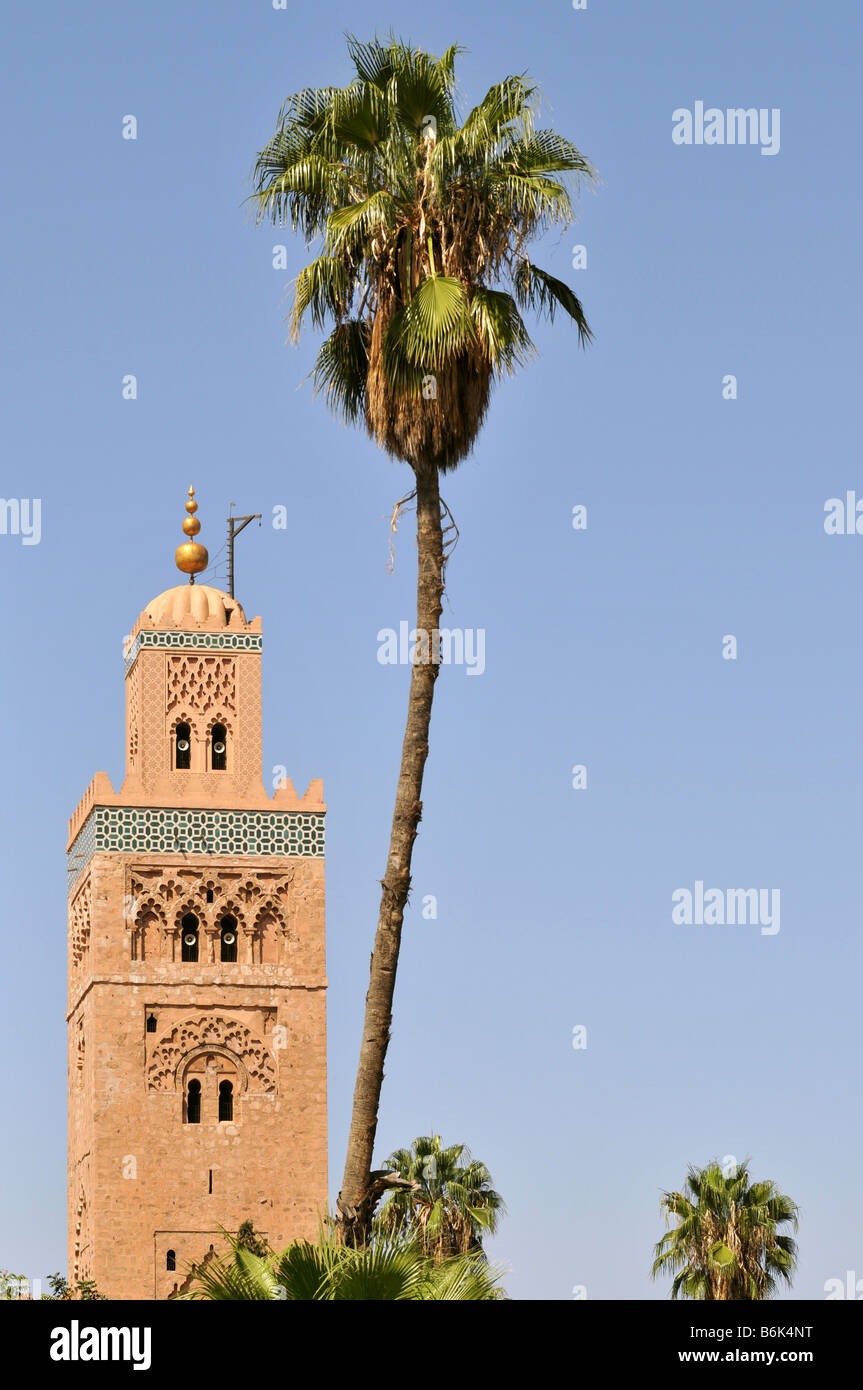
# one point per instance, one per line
(188, 604)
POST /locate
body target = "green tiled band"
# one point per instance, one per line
(194, 641)
(138, 830)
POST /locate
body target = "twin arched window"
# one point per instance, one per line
(190, 938)
(217, 751)
(193, 1101)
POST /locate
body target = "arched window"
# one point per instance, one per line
(193, 1103)
(151, 1023)
(190, 937)
(266, 938)
(171, 1260)
(226, 1100)
(183, 746)
(218, 748)
(229, 937)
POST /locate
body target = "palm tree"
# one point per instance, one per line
(726, 1245)
(426, 224)
(331, 1271)
(451, 1203)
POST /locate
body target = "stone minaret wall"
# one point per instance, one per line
(144, 1023)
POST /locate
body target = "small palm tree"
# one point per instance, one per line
(450, 1204)
(331, 1271)
(727, 1244)
(426, 222)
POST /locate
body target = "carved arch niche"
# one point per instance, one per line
(188, 1044)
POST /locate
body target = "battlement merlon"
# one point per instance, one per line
(101, 793)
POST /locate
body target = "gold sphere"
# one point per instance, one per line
(191, 557)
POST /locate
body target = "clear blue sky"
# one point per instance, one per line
(603, 647)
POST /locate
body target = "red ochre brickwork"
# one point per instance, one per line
(197, 987)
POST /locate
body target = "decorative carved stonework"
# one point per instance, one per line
(80, 915)
(211, 1030)
(202, 684)
(157, 900)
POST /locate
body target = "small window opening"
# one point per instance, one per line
(226, 1100)
(190, 937)
(151, 1023)
(171, 1260)
(219, 748)
(209, 895)
(211, 1188)
(193, 1103)
(229, 938)
(183, 753)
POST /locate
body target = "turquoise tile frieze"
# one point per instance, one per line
(194, 641)
(152, 830)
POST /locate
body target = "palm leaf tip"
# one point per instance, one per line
(341, 367)
(544, 293)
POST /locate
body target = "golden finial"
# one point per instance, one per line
(191, 556)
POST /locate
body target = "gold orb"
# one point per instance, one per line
(191, 526)
(191, 558)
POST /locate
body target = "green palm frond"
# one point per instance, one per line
(382, 1271)
(464, 1279)
(436, 324)
(506, 110)
(500, 328)
(386, 1270)
(533, 199)
(238, 1276)
(358, 116)
(349, 227)
(322, 288)
(302, 1270)
(536, 289)
(545, 152)
(341, 367)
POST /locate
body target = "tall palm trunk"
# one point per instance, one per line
(358, 1196)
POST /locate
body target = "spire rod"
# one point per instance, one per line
(236, 524)
(191, 557)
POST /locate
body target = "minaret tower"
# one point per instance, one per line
(197, 1039)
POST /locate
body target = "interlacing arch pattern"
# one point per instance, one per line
(148, 928)
(200, 683)
(80, 919)
(157, 905)
(169, 1057)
